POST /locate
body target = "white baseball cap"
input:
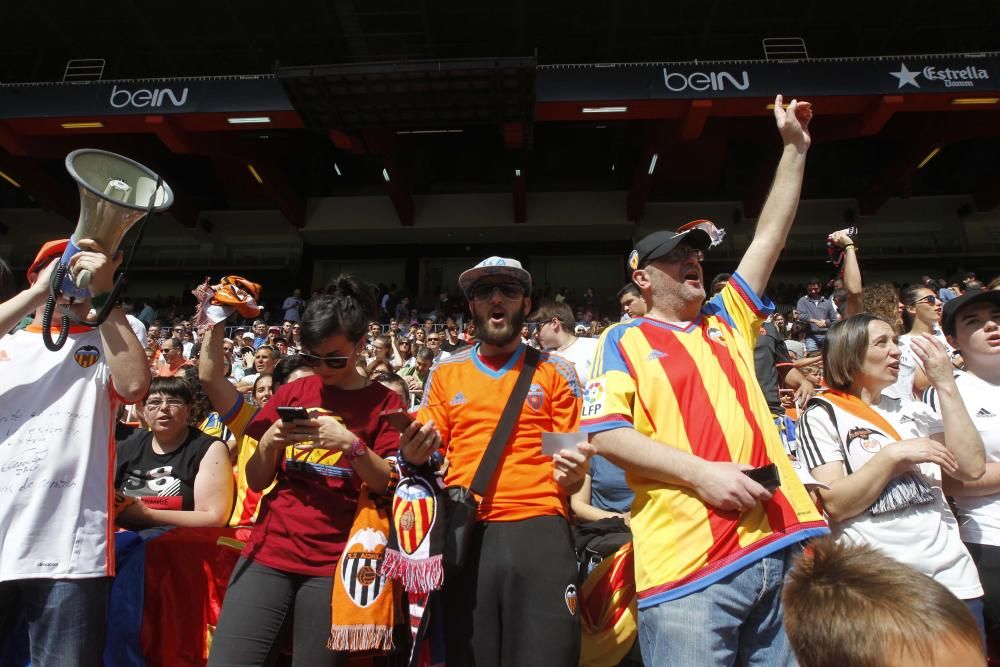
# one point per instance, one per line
(495, 266)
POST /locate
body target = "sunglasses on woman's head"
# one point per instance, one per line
(313, 360)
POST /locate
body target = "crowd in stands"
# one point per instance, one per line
(814, 482)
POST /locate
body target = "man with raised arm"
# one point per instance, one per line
(672, 399)
(57, 452)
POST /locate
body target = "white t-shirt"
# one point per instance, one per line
(981, 514)
(56, 458)
(581, 352)
(138, 328)
(925, 537)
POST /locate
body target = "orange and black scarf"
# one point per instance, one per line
(364, 602)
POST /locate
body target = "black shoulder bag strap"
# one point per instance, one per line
(505, 427)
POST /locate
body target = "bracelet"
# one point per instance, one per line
(358, 448)
(850, 245)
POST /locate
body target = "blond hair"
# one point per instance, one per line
(852, 606)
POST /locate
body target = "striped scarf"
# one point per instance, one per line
(364, 601)
(863, 432)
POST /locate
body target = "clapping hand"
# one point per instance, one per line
(934, 358)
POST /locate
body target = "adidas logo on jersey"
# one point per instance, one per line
(905, 418)
(458, 399)
(985, 413)
(655, 355)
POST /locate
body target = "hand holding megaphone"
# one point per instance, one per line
(92, 269)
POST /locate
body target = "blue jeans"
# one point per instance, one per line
(737, 620)
(814, 343)
(66, 618)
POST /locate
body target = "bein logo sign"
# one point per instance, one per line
(146, 97)
(677, 82)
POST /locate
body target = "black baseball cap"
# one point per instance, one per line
(970, 298)
(656, 245)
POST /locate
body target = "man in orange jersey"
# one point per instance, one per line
(57, 452)
(673, 400)
(514, 602)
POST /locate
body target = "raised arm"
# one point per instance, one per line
(783, 200)
(852, 273)
(212, 370)
(126, 356)
(25, 302)
(960, 435)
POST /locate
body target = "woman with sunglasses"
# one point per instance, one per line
(317, 466)
(402, 353)
(295, 342)
(921, 313)
(172, 474)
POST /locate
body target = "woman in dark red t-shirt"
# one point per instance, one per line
(286, 571)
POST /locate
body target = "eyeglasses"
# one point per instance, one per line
(507, 291)
(930, 300)
(681, 253)
(433, 339)
(170, 404)
(313, 360)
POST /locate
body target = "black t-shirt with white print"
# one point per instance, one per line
(162, 481)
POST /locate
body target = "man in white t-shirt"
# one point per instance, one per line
(556, 333)
(56, 450)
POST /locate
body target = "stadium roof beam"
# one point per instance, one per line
(654, 139)
(381, 141)
(514, 138)
(273, 183)
(36, 182)
(760, 182)
(693, 120)
(987, 195)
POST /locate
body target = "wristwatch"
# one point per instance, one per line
(358, 448)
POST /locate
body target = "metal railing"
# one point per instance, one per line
(784, 49)
(84, 69)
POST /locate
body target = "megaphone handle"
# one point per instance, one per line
(82, 279)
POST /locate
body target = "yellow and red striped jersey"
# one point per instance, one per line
(247, 504)
(693, 388)
(465, 398)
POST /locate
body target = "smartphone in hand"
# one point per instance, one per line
(766, 476)
(290, 413)
(399, 419)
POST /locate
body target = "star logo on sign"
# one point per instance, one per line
(905, 76)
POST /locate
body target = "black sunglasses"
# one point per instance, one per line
(485, 291)
(313, 360)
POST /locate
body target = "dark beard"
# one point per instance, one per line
(498, 337)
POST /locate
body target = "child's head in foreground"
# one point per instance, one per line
(852, 606)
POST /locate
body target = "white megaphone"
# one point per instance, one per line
(115, 192)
